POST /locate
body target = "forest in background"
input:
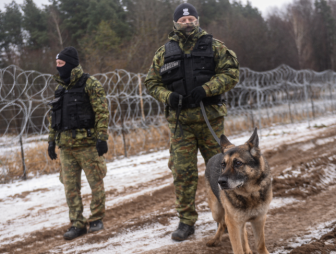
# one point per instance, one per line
(124, 34)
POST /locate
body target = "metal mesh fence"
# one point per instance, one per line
(137, 124)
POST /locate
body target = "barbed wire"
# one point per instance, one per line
(259, 99)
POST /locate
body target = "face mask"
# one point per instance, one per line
(65, 72)
(186, 28)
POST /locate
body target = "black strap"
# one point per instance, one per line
(178, 111)
(88, 131)
(73, 133)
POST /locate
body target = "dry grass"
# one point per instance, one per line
(37, 161)
(139, 141)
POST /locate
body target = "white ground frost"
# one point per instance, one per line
(35, 204)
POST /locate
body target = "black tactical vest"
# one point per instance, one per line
(71, 109)
(181, 73)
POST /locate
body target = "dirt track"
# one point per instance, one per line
(304, 171)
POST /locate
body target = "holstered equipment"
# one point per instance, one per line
(71, 109)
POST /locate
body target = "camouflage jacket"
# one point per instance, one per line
(227, 76)
(99, 105)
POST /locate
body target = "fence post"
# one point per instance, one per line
(306, 95)
(23, 159)
(311, 100)
(122, 123)
(331, 99)
(141, 101)
(289, 107)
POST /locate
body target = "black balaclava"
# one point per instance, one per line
(70, 56)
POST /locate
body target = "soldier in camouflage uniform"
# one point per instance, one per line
(191, 68)
(78, 125)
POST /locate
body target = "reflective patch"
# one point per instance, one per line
(169, 66)
(57, 56)
(186, 12)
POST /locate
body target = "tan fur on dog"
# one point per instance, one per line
(243, 194)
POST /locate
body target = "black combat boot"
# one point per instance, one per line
(182, 232)
(74, 232)
(96, 226)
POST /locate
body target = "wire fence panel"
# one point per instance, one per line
(137, 124)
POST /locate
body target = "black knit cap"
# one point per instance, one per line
(185, 10)
(69, 55)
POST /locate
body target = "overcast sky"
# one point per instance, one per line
(263, 5)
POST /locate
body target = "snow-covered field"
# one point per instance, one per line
(39, 203)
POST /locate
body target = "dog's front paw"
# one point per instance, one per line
(212, 243)
(248, 252)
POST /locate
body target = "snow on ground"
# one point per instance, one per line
(155, 235)
(8, 144)
(312, 233)
(40, 202)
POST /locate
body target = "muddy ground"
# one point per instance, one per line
(302, 171)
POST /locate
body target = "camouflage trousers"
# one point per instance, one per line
(73, 160)
(183, 162)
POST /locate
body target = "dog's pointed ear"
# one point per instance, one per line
(225, 143)
(253, 144)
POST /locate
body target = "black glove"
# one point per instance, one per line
(51, 150)
(198, 94)
(101, 147)
(174, 100)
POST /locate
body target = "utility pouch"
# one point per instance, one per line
(177, 87)
(166, 110)
(86, 121)
(201, 80)
(56, 115)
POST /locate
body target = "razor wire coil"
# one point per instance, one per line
(281, 92)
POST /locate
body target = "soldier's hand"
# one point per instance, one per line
(51, 150)
(198, 94)
(173, 100)
(101, 146)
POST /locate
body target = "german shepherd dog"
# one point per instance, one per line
(239, 187)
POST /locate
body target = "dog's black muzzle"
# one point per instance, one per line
(223, 182)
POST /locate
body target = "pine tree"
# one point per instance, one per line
(324, 35)
(35, 23)
(11, 39)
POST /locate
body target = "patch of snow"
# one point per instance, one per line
(279, 202)
(324, 141)
(312, 233)
(306, 147)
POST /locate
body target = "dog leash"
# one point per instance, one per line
(178, 111)
(208, 123)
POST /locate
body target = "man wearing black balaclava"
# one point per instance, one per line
(78, 125)
(68, 55)
(191, 68)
